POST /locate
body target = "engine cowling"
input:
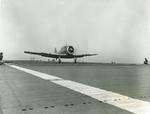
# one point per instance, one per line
(70, 50)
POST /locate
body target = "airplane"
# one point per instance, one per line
(66, 52)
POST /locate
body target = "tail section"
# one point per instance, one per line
(55, 50)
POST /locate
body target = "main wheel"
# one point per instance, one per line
(59, 60)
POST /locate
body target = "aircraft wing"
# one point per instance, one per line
(59, 55)
(43, 54)
(83, 55)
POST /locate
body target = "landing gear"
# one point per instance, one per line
(75, 60)
(59, 60)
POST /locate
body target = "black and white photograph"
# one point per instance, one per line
(74, 56)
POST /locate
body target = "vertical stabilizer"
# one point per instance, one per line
(55, 50)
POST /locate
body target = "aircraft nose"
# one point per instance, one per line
(71, 49)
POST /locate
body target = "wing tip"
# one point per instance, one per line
(26, 51)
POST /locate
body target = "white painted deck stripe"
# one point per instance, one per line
(109, 97)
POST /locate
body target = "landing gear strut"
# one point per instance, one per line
(59, 60)
(75, 60)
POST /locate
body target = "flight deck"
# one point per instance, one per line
(23, 90)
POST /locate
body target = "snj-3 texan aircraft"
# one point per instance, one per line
(66, 52)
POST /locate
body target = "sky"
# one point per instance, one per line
(118, 30)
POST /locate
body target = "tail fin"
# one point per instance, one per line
(55, 50)
(1, 56)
